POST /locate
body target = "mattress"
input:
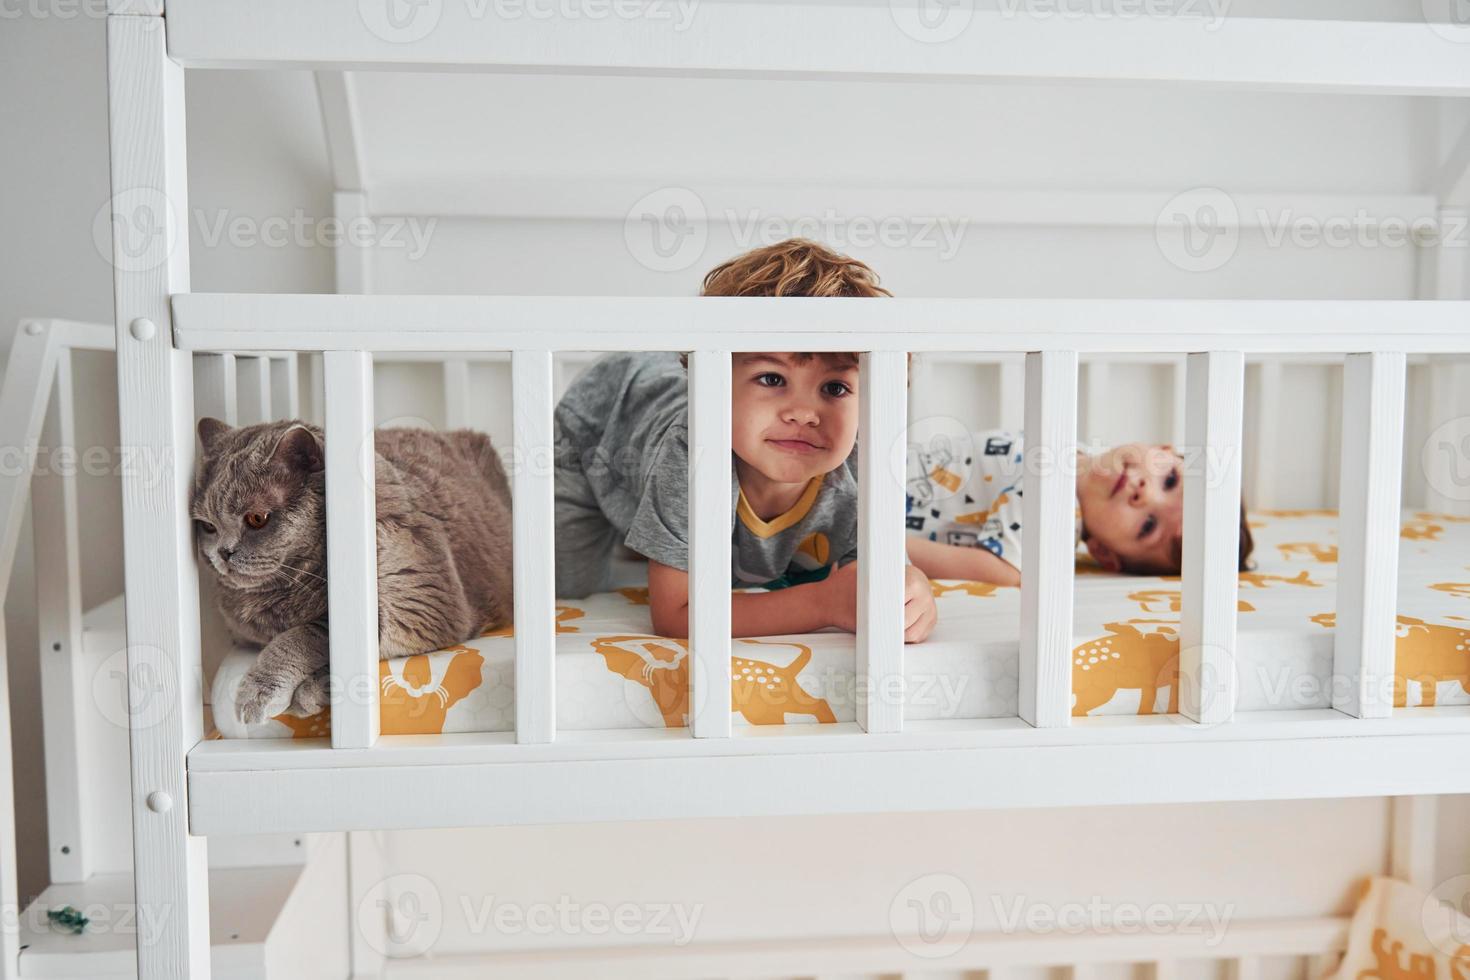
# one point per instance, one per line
(612, 672)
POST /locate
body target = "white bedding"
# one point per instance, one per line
(613, 673)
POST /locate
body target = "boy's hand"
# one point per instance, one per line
(919, 611)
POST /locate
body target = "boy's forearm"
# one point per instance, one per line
(798, 609)
(938, 560)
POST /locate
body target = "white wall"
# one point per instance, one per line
(256, 153)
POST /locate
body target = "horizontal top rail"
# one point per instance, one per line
(847, 39)
(321, 322)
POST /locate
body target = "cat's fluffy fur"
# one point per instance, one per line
(443, 537)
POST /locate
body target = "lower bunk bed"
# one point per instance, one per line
(614, 673)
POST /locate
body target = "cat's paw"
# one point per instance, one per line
(311, 697)
(261, 697)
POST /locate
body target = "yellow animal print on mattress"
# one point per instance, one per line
(637, 595)
(411, 702)
(977, 589)
(1461, 589)
(1421, 531)
(1263, 580)
(1126, 659)
(762, 692)
(564, 615)
(1386, 953)
(1326, 553)
(1426, 653)
(1173, 601)
(1424, 515)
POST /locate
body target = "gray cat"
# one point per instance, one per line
(444, 548)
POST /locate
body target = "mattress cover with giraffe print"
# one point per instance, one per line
(612, 672)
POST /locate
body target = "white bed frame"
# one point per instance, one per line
(185, 789)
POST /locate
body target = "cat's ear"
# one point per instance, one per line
(298, 450)
(209, 432)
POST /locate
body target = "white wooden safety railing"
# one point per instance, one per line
(1051, 334)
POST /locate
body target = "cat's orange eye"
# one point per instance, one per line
(256, 520)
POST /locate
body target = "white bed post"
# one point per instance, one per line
(1368, 533)
(22, 401)
(1048, 509)
(709, 544)
(59, 625)
(882, 431)
(150, 249)
(1211, 581)
(352, 549)
(534, 557)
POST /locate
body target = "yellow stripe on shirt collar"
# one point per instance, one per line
(766, 529)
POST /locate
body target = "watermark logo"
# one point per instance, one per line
(1098, 916)
(942, 234)
(932, 21)
(1445, 916)
(1209, 13)
(402, 915)
(135, 687)
(1198, 230)
(667, 230)
(672, 922)
(400, 21)
(1209, 682)
(136, 230)
(1449, 19)
(1445, 459)
(933, 916)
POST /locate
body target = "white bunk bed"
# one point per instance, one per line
(175, 354)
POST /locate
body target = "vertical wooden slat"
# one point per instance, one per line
(1048, 511)
(881, 466)
(254, 392)
(1243, 967)
(285, 392)
(709, 543)
(214, 387)
(457, 393)
(534, 558)
(59, 625)
(1415, 827)
(1368, 533)
(1212, 452)
(28, 375)
(352, 555)
(1098, 418)
(1012, 394)
(1266, 459)
(1179, 384)
(150, 250)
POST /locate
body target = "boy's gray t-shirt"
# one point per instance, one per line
(622, 448)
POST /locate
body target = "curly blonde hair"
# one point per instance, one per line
(795, 267)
